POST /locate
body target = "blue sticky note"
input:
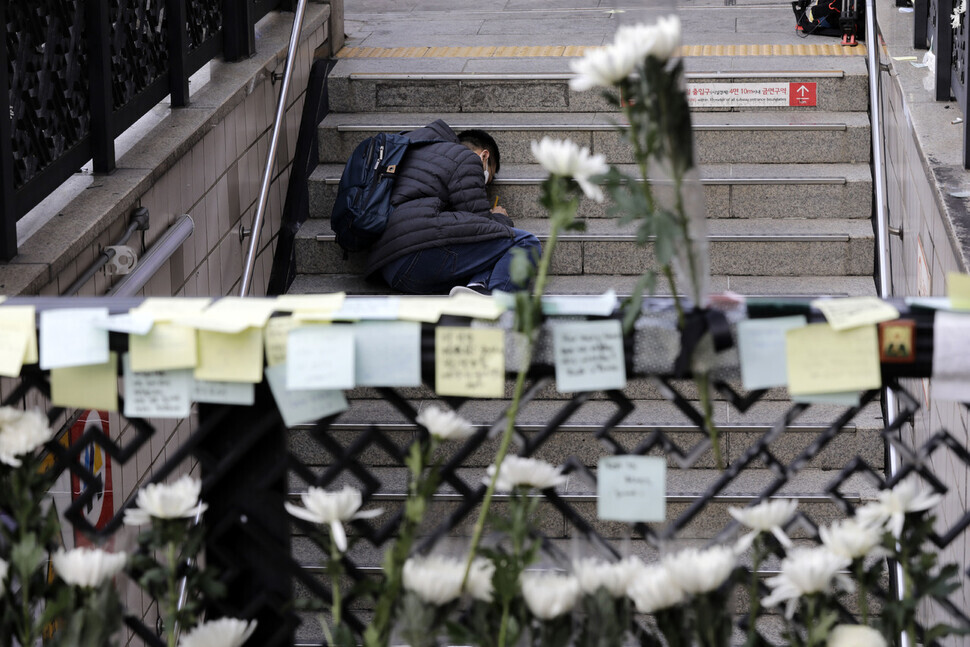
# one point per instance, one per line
(844, 398)
(589, 355)
(387, 353)
(761, 349)
(631, 488)
(301, 406)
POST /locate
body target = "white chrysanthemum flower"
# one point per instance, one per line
(594, 573)
(655, 589)
(516, 471)
(564, 157)
(87, 567)
(701, 571)
(892, 506)
(958, 12)
(855, 636)
(333, 509)
(804, 571)
(176, 500)
(767, 516)
(4, 567)
(434, 579)
(659, 39)
(849, 538)
(445, 425)
(21, 432)
(479, 582)
(224, 632)
(603, 67)
(549, 594)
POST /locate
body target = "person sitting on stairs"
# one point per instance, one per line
(442, 235)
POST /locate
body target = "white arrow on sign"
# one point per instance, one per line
(802, 90)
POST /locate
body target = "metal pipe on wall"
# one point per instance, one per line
(150, 263)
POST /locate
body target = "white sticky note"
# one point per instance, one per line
(951, 357)
(761, 349)
(238, 393)
(589, 356)
(387, 353)
(631, 488)
(157, 394)
(320, 357)
(363, 308)
(70, 337)
(127, 323)
(298, 407)
(598, 306)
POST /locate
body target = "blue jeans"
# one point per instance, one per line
(438, 269)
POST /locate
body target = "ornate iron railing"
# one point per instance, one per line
(249, 471)
(79, 73)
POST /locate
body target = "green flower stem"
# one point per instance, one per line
(504, 626)
(337, 601)
(171, 593)
(560, 217)
(754, 603)
(703, 386)
(684, 222)
(860, 576)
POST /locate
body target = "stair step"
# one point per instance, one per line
(719, 137)
(490, 84)
(731, 190)
(737, 247)
(750, 286)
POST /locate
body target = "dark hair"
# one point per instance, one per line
(481, 139)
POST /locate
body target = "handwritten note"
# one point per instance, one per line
(589, 356)
(69, 337)
(388, 353)
(320, 357)
(13, 346)
(951, 357)
(275, 338)
(469, 362)
(157, 394)
(238, 393)
(761, 349)
(298, 407)
(86, 387)
(958, 289)
(853, 312)
(631, 488)
(823, 360)
(230, 357)
(22, 318)
(167, 347)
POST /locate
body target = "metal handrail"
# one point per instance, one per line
(247, 275)
(882, 235)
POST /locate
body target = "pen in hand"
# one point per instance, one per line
(496, 202)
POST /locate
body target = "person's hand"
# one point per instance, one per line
(500, 210)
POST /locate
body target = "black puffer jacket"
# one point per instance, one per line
(439, 199)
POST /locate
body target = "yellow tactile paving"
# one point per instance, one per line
(811, 49)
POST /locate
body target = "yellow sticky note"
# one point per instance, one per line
(231, 315)
(472, 305)
(469, 362)
(823, 360)
(424, 309)
(86, 387)
(231, 357)
(167, 347)
(22, 318)
(958, 289)
(170, 308)
(852, 312)
(310, 302)
(275, 337)
(13, 344)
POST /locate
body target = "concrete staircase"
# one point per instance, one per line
(788, 195)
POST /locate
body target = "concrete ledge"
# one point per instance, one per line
(109, 198)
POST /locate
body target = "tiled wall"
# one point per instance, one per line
(920, 262)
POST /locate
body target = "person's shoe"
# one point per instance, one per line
(471, 288)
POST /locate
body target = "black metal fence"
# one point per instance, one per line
(79, 73)
(933, 29)
(248, 469)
